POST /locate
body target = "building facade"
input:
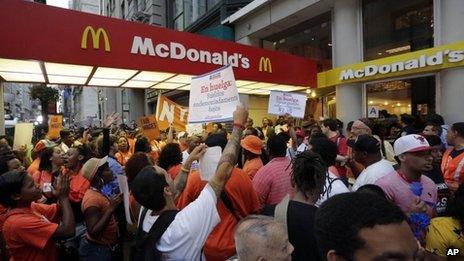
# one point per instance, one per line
(343, 35)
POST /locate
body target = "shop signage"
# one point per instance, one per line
(281, 103)
(427, 60)
(78, 38)
(213, 96)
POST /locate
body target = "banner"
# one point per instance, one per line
(23, 135)
(169, 112)
(55, 125)
(213, 96)
(150, 127)
(281, 103)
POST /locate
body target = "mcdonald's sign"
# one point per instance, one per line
(95, 38)
(265, 65)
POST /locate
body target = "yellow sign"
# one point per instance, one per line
(427, 60)
(95, 38)
(265, 65)
(169, 112)
(55, 125)
(150, 127)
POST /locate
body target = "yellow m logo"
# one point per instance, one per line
(265, 65)
(95, 38)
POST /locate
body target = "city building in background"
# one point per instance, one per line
(345, 33)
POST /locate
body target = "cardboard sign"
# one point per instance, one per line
(373, 111)
(23, 135)
(150, 127)
(213, 96)
(169, 112)
(55, 125)
(281, 103)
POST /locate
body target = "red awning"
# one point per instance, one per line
(58, 46)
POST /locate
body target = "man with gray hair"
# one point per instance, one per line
(262, 238)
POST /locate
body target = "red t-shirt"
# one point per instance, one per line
(28, 233)
(342, 146)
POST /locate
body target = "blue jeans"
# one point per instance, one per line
(89, 251)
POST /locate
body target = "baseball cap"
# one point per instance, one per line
(367, 143)
(43, 144)
(253, 144)
(411, 143)
(91, 166)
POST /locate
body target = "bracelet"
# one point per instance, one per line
(185, 170)
(239, 125)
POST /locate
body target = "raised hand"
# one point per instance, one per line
(61, 188)
(115, 201)
(198, 152)
(240, 115)
(109, 120)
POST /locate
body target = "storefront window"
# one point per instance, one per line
(193, 9)
(414, 96)
(310, 39)
(396, 26)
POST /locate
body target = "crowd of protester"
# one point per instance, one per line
(293, 190)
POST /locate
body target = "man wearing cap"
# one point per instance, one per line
(407, 187)
(252, 146)
(366, 151)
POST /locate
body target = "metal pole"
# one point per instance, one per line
(2, 111)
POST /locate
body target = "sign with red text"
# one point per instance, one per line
(169, 112)
(281, 103)
(213, 96)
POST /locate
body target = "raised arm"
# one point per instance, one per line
(230, 154)
(181, 178)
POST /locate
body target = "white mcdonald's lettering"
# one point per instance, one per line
(420, 62)
(178, 51)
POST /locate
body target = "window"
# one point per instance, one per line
(396, 26)
(193, 10)
(179, 23)
(123, 10)
(310, 39)
(212, 3)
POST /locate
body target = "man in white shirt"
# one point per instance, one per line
(192, 143)
(154, 189)
(366, 151)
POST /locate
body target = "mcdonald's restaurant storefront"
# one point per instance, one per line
(44, 44)
(407, 83)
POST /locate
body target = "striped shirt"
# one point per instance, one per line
(273, 181)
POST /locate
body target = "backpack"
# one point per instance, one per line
(145, 243)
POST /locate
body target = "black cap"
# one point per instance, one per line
(367, 143)
(216, 140)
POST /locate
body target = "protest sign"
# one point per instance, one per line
(213, 96)
(124, 187)
(281, 103)
(23, 135)
(55, 125)
(209, 162)
(169, 112)
(149, 127)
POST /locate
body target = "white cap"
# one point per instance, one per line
(411, 143)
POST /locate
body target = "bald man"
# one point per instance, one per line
(262, 238)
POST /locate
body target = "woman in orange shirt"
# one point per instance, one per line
(170, 159)
(102, 227)
(29, 229)
(252, 146)
(51, 165)
(123, 154)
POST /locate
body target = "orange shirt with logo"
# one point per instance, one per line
(220, 244)
(95, 199)
(453, 169)
(28, 232)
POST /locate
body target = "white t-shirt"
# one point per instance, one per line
(185, 237)
(372, 173)
(332, 187)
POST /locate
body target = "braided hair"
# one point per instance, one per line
(309, 172)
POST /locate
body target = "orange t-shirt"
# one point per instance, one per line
(78, 185)
(123, 157)
(28, 233)
(42, 177)
(109, 235)
(174, 170)
(220, 244)
(34, 167)
(131, 144)
(252, 166)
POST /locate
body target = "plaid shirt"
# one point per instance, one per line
(273, 181)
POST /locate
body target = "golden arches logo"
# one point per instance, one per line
(95, 38)
(265, 65)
